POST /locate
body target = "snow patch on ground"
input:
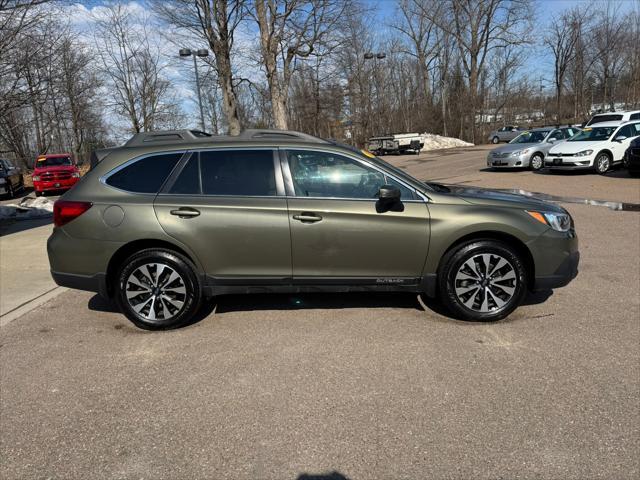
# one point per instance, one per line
(437, 142)
(29, 207)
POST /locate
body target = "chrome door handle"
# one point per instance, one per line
(307, 217)
(185, 212)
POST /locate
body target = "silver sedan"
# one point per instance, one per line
(529, 148)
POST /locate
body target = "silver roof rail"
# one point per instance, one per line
(193, 136)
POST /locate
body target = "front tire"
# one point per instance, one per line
(603, 163)
(536, 162)
(482, 281)
(158, 289)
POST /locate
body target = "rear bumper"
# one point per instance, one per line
(91, 283)
(43, 186)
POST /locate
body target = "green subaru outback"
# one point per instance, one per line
(173, 217)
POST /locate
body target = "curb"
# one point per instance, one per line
(26, 307)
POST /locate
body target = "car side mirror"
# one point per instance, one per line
(620, 138)
(389, 199)
(552, 140)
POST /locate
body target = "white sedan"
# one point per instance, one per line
(599, 147)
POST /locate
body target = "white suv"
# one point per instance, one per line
(614, 117)
(599, 147)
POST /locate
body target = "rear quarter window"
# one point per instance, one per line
(145, 175)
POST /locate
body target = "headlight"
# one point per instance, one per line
(516, 153)
(584, 153)
(558, 221)
(75, 175)
(35, 178)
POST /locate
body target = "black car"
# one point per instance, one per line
(11, 180)
(632, 158)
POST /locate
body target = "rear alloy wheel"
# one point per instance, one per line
(536, 162)
(495, 140)
(158, 289)
(482, 281)
(603, 163)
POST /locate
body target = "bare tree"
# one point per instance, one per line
(216, 22)
(563, 36)
(291, 29)
(479, 27)
(133, 66)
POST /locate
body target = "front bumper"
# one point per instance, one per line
(556, 259)
(509, 162)
(46, 186)
(568, 163)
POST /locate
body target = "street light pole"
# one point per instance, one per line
(203, 52)
(375, 57)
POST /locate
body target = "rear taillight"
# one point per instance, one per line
(64, 211)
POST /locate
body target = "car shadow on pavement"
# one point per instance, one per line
(322, 476)
(304, 301)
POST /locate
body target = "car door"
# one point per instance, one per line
(619, 147)
(228, 206)
(339, 234)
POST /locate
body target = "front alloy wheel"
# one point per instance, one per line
(482, 281)
(537, 162)
(603, 163)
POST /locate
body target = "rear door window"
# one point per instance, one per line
(145, 175)
(238, 172)
(635, 116)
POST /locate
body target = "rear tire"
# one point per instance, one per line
(158, 289)
(495, 140)
(482, 281)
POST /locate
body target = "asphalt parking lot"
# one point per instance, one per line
(354, 386)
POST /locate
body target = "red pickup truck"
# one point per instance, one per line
(54, 172)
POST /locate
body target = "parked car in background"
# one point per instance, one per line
(529, 149)
(614, 117)
(632, 158)
(504, 134)
(599, 147)
(11, 179)
(54, 172)
(171, 218)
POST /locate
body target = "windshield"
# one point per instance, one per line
(593, 134)
(53, 162)
(530, 137)
(604, 118)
